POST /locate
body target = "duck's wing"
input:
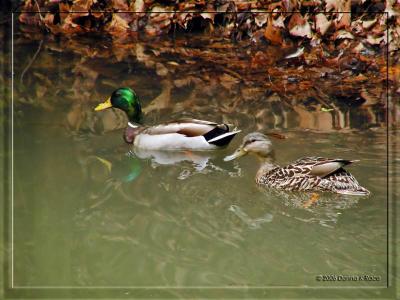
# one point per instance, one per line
(318, 166)
(214, 133)
(345, 183)
(182, 127)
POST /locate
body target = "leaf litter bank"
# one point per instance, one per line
(281, 61)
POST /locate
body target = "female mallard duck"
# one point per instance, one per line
(305, 174)
(183, 134)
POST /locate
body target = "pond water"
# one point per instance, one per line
(89, 212)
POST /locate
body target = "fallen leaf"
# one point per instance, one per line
(368, 24)
(322, 23)
(117, 24)
(343, 34)
(208, 15)
(120, 5)
(273, 34)
(332, 5)
(298, 26)
(344, 18)
(358, 78)
(261, 19)
(279, 22)
(389, 8)
(298, 53)
(138, 6)
(374, 40)
(80, 8)
(301, 30)
(357, 49)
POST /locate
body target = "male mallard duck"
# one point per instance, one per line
(305, 174)
(183, 134)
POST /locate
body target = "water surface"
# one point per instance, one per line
(89, 212)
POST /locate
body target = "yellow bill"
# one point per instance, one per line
(238, 153)
(104, 105)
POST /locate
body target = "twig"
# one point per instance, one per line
(41, 17)
(31, 62)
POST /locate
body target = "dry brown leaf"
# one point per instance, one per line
(81, 8)
(322, 23)
(358, 78)
(260, 19)
(117, 24)
(368, 24)
(70, 27)
(332, 5)
(273, 34)
(120, 4)
(344, 18)
(290, 5)
(29, 19)
(343, 34)
(374, 40)
(298, 26)
(279, 22)
(137, 6)
(301, 30)
(298, 53)
(208, 15)
(63, 9)
(357, 49)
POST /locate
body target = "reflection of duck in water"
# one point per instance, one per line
(184, 134)
(200, 160)
(305, 174)
(300, 206)
(126, 167)
(121, 168)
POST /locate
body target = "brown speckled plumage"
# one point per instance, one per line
(305, 174)
(298, 176)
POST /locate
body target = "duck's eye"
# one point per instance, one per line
(249, 141)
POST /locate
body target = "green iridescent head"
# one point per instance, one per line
(126, 100)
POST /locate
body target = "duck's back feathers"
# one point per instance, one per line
(188, 127)
(320, 166)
